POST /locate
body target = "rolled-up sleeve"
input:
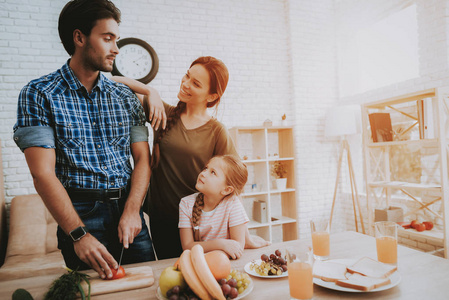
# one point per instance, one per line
(139, 134)
(34, 136)
(33, 124)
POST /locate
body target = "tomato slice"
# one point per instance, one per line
(117, 274)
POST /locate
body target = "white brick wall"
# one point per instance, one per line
(250, 36)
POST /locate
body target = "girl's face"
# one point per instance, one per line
(212, 179)
(195, 86)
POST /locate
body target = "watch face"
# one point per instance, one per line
(134, 61)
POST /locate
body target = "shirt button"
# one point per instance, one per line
(120, 123)
(16, 138)
(93, 123)
(112, 184)
(105, 168)
(99, 146)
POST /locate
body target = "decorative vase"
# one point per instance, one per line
(281, 184)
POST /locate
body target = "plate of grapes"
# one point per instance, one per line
(268, 266)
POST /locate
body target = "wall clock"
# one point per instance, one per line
(137, 60)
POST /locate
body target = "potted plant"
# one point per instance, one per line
(278, 171)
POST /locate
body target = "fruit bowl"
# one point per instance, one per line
(240, 296)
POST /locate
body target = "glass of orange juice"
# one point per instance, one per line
(320, 238)
(386, 234)
(300, 277)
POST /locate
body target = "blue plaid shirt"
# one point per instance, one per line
(91, 133)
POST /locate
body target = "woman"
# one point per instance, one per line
(189, 140)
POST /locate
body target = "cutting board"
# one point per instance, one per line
(135, 278)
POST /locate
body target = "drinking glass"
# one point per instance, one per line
(320, 238)
(386, 234)
(300, 277)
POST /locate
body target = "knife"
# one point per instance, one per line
(121, 255)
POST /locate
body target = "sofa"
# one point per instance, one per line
(32, 243)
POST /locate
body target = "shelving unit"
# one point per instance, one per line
(411, 170)
(260, 147)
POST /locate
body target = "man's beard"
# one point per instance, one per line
(95, 62)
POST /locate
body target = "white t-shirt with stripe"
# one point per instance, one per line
(214, 224)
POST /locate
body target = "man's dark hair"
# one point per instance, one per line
(83, 15)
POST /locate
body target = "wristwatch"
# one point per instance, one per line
(77, 233)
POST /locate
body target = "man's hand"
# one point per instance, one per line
(129, 227)
(94, 253)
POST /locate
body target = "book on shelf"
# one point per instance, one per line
(381, 130)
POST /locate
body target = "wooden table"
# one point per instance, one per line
(424, 276)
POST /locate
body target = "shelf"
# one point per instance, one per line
(423, 142)
(277, 158)
(283, 191)
(259, 145)
(381, 104)
(434, 235)
(406, 185)
(255, 224)
(253, 161)
(250, 194)
(282, 220)
(420, 160)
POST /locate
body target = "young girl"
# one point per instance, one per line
(215, 217)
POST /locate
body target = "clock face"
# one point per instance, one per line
(134, 61)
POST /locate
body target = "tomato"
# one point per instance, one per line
(429, 225)
(414, 223)
(117, 274)
(420, 227)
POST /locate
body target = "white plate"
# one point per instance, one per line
(395, 279)
(253, 273)
(241, 296)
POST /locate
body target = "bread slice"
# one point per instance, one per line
(329, 271)
(372, 268)
(363, 283)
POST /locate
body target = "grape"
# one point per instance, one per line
(277, 252)
(264, 257)
(182, 297)
(226, 288)
(234, 293)
(222, 281)
(176, 289)
(272, 256)
(284, 268)
(169, 293)
(174, 297)
(232, 282)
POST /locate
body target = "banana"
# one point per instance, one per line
(189, 274)
(204, 273)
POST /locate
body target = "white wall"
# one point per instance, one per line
(249, 36)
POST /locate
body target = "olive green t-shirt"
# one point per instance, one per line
(183, 155)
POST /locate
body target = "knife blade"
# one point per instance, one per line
(121, 255)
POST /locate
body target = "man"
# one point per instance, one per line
(78, 131)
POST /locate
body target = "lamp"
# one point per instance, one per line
(342, 121)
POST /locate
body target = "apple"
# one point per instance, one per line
(170, 277)
(420, 227)
(429, 225)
